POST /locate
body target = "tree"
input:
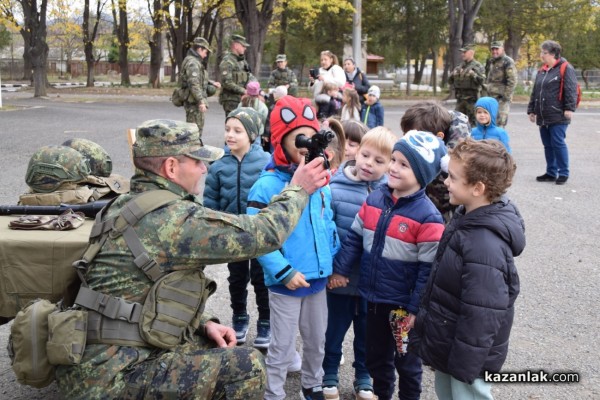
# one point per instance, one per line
(34, 33)
(64, 31)
(89, 37)
(121, 30)
(255, 23)
(5, 38)
(461, 16)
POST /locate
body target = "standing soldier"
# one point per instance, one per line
(195, 78)
(235, 74)
(283, 76)
(468, 80)
(501, 80)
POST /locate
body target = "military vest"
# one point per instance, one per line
(240, 75)
(462, 78)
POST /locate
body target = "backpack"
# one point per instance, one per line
(563, 69)
(177, 98)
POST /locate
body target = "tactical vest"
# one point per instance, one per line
(171, 311)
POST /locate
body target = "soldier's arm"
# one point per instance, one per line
(271, 82)
(293, 80)
(195, 81)
(479, 77)
(227, 82)
(511, 80)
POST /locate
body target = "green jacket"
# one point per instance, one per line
(282, 77)
(194, 78)
(501, 77)
(235, 75)
(468, 79)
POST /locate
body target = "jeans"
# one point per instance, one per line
(240, 274)
(448, 388)
(555, 149)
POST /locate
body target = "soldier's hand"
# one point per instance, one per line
(222, 335)
(202, 107)
(217, 84)
(310, 176)
(297, 282)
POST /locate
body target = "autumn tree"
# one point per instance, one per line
(64, 31)
(89, 29)
(461, 18)
(121, 30)
(255, 23)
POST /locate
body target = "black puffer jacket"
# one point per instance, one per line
(361, 83)
(544, 102)
(466, 311)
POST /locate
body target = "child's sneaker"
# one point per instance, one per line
(331, 393)
(240, 326)
(263, 334)
(342, 359)
(364, 389)
(315, 393)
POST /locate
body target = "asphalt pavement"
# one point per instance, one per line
(556, 326)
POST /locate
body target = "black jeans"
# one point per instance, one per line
(240, 274)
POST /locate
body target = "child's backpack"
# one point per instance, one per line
(563, 69)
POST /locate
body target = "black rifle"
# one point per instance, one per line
(89, 209)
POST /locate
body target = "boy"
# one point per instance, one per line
(486, 110)
(349, 189)
(450, 126)
(296, 275)
(371, 113)
(395, 236)
(466, 314)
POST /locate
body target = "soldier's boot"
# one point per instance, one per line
(240, 326)
(263, 334)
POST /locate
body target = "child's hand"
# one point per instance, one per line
(297, 281)
(337, 280)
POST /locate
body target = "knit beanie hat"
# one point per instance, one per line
(253, 88)
(288, 114)
(425, 152)
(375, 91)
(250, 118)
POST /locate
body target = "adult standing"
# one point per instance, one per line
(501, 80)
(235, 74)
(356, 79)
(283, 76)
(176, 241)
(330, 71)
(553, 110)
(467, 80)
(195, 78)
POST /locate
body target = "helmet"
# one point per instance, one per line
(52, 166)
(211, 89)
(97, 158)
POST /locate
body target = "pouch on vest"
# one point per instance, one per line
(27, 344)
(67, 333)
(173, 307)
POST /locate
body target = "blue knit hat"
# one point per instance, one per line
(425, 152)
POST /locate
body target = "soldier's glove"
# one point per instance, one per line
(64, 222)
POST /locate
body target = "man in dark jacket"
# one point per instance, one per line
(356, 78)
(552, 110)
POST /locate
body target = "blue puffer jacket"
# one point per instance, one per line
(396, 243)
(229, 180)
(490, 131)
(375, 116)
(309, 249)
(348, 195)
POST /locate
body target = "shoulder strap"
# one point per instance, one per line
(563, 69)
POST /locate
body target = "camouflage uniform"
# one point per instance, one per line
(468, 80)
(195, 78)
(500, 83)
(235, 75)
(282, 77)
(181, 235)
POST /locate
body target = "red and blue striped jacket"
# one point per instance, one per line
(396, 243)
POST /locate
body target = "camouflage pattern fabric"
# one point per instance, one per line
(98, 159)
(229, 106)
(181, 235)
(235, 75)
(50, 167)
(468, 80)
(282, 77)
(466, 105)
(194, 78)
(439, 196)
(500, 84)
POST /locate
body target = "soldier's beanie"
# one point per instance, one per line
(253, 88)
(165, 138)
(98, 159)
(250, 118)
(425, 153)
(288, 114)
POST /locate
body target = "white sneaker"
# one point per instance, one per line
(365, 395)
(296, 365)
(331, 393)
(342, 360)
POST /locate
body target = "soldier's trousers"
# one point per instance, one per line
(194, 116)
(229, 106)
(467, 107)
(193, 372)
(503, 109)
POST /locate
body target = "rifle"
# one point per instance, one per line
(89, 209)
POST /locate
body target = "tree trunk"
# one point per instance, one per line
(123, 37)
(36, 47)
(283, 34)
(156, 58)
(89, 38)
(255, 24)
(27, 67)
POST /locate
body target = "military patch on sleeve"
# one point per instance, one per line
(194, 74)
(224, 72)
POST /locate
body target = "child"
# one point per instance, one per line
(451, 126)
(328, 101)
(274, 95)
(296, 275)
(486, 111)
(336, 148)
(467, 310)
(228, 182)
(354, 132)
(372, 110)
(253, 99)
(351, 108)
(349, 189)
(395, 236)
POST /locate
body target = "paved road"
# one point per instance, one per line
(556, 326)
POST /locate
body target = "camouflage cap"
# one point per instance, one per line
(467, 47)
(280, 57)
(165, 137)
(250, 118)
(211, 89)
(240, 39)
(497, 44)
(52, 166)
(200, 41)
(98, 159)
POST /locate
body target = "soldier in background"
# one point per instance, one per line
(501, 80)
(283, 76)
(235, 74)
(468, 79)
(194, 78)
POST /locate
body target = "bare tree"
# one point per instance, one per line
(34, 34)
(121, 30)
(462, 14)
(90, 37)
(255, 23)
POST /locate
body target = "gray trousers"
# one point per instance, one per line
(288, 316)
